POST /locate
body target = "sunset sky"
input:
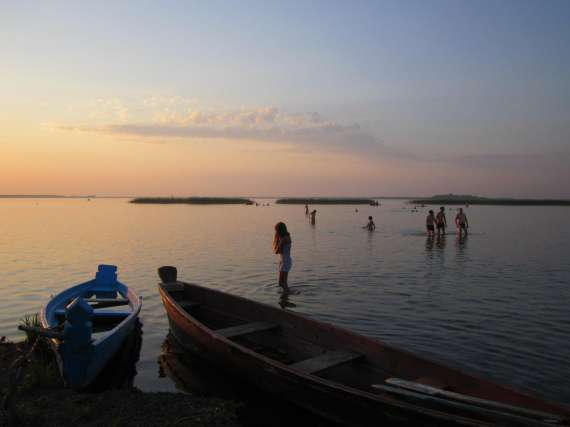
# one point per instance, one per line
(285, 98)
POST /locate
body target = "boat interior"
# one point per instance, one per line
(109, 310)
(355, 361)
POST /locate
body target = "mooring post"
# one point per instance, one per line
(76, 350)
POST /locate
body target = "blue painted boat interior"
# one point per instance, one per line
(99, 313)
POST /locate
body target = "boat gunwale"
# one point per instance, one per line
(135, 303)
(403, 405)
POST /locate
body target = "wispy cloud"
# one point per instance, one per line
(177, 118)
(109, 109)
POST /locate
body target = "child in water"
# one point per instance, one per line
(282, 247)
(370, 226)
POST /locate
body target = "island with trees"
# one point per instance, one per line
(461, 199)
(327, 201)
(193, 200)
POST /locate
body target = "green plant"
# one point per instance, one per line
(31, 321)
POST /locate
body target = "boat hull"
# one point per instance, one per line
(80, 368)
(336, 402)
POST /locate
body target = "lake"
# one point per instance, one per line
(494, 304)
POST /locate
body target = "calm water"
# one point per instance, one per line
(495, 304)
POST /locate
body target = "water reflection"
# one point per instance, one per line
(121, 370)
(461, 242)
(440, 242)
(370, 240)
(284, 301)
(195, 375)
(461, 246)
(429, 245)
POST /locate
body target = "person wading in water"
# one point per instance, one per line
(370, 226)
(282, 247)
(313, 216)
(461, 222)
(440, 221)
(430, 222)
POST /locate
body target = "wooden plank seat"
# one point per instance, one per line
(98, 314)
(107, 302)
(325, 361)
(187, 304)
(435, 395)
(247, 328)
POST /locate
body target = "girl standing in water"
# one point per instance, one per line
(282, 247)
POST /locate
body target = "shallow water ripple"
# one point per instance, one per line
(494, 304)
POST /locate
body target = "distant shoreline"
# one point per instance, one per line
(193, 200)
(475, 200)
(326, 201)
(42, 196)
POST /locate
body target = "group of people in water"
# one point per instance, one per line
(282, 237)
(439, 221)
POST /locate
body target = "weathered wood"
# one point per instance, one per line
(168, 273)
(187, 304)
(437, 392)
(325, 361)
(248, 328)
(173, 286)
(81, 356)
(98, 314)
(105, 303)
(478, 410)
(342, 394)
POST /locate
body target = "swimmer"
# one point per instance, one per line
(370, 226)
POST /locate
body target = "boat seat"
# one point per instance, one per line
(186, 304)
(107, 302)
(98, 314)
(247, 328)
(325, 361)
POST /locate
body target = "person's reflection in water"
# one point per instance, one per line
(440, 242)
(284, 301)
(461, 240)
(370, 241)
(429, 244)
(461, 244)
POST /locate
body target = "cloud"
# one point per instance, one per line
(328, 136)
(109, 109)
(177, 118)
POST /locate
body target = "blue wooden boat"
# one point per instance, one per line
(90, 322)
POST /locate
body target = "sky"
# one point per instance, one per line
(328, 98)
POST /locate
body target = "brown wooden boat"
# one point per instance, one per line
(336, 373)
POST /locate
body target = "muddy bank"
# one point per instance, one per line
(41, 400)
